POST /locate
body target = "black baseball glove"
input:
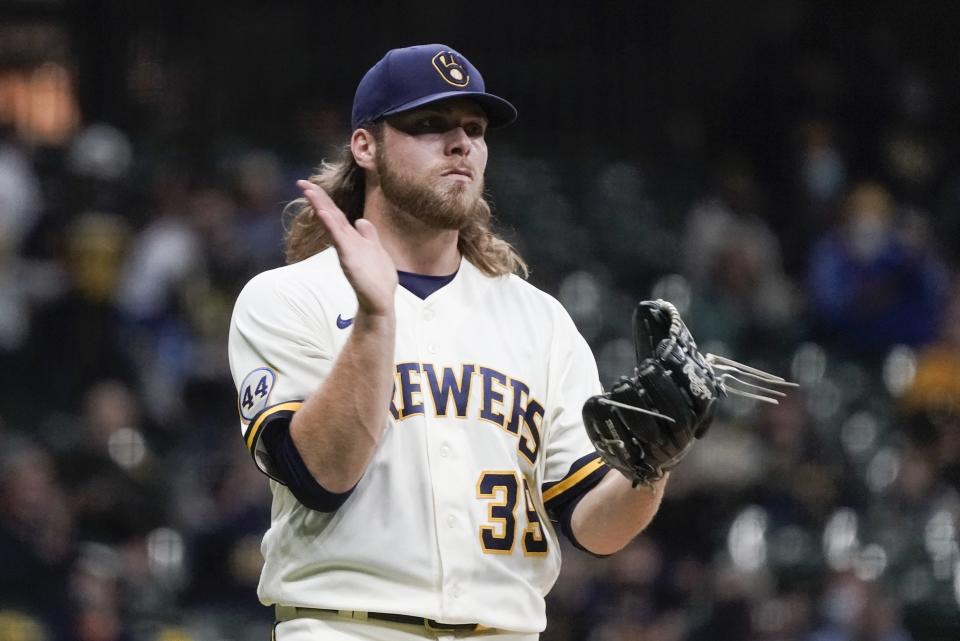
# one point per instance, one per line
(648, 422)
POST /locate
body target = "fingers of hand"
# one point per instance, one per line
(366, 229)
(327, 211)
(365, 262)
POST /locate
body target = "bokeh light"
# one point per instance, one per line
(746, 541)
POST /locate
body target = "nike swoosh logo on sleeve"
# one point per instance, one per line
(344, 323)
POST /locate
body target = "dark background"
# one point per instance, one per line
(787, 172)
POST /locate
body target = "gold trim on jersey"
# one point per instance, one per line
(251, 435)
(573, 479)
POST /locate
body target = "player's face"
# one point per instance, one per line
(431, 162)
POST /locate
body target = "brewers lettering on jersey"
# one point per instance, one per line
(415, 402)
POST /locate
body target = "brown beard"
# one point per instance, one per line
(451, 206)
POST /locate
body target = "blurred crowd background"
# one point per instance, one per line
(786, 172)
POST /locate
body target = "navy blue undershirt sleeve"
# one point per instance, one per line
(293, 472)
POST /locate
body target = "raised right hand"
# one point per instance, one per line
(367, 265)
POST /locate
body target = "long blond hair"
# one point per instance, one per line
(345, 182)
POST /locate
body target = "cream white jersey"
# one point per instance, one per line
(484, 439)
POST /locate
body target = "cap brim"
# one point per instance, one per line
(500, 113)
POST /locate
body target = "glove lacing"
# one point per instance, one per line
(673, 333)
(729, 368)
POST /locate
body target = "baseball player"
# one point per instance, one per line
(425, 442)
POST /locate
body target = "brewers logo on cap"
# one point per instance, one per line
(450, 70)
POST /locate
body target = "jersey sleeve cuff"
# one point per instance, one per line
(292, 471)
(584, 473)
(261, 422)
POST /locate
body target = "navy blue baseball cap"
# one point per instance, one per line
(415, 76)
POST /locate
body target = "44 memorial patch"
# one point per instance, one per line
(254, 392)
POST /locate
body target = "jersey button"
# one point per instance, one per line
(428, 314)
(451, 521)
(455, 592)
(432, 348)
(445, 451)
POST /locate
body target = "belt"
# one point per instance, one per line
(288, 612)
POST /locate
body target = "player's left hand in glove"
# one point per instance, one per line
(646, 423)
